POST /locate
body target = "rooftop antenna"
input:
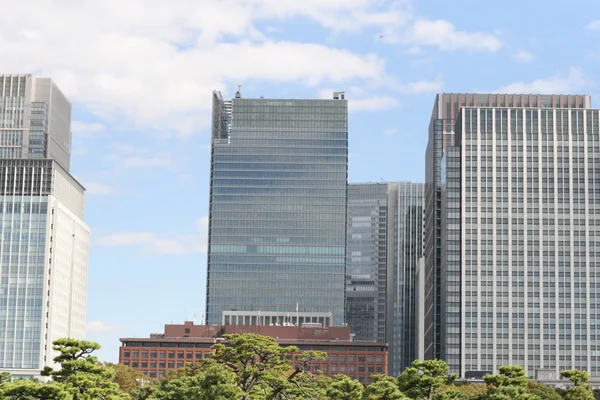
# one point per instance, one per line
(238, 94)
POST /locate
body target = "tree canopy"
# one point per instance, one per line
(255, 367)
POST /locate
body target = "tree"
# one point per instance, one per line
(26, 389)
(383, 388)
(509, 384)
(126, 377)
(214, 382)
(421, 379)
(459, 391)
(81, 374)
(580, 389)
(345, 388)
(543, 391)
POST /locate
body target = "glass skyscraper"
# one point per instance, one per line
(277, 229)
(385, 243)
(43, 239)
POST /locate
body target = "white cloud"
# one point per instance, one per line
(99, 188)
(101, 327)
(557, 84)
(441, 34)
(424, 86)
(150, 242)
(390, 132)
(523, 56)
(126, 156)
(81, 128)
(175, 55)
(594, 26)
(153, 64)
(372, 103)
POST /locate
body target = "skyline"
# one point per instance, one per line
(147, 80)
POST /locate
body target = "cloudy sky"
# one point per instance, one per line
(140, 75)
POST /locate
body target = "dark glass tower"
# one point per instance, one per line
(385, 243)
(277, 230)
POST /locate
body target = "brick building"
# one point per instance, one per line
(188, 343)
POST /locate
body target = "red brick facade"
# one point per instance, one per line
(182, 344)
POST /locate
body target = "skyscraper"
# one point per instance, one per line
(384, 245)
(44, 241)
(441, 135)
(518, 236)
(277, 229)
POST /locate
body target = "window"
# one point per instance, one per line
(179, 355)
(162, 354)
(126, 354)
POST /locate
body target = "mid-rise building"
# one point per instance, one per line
(519, 228)
(277, 229)
(441, 135)
(187, 343)
(384, 245)
(44, 241)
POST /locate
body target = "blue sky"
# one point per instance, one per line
(140, 74)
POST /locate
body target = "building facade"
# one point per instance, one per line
(277, 229)
(271, 318)
(35, 119)
(441, 135)
(189, 343)
(44, 240)
(385, 242)
(519, 191)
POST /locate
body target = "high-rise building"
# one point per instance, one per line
(384, 245)
(35, 119)
(441, 135)
(277, 229)
(43, 239)
(518, 266)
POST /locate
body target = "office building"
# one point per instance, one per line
(181, 344)
(277, 229)
(518, 270)
(35, 119)
(441, 135)
(385, 242)
(44, 241)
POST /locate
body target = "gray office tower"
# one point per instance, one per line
(277, 229)
(384, 245)
(519, 229)
(43, 239)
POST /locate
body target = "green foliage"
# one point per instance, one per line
(544, 392)
(509, 384)
(32, 390)
(460, 391)
(345, 388)
(575, 376)
(128, 379)
(383, 388)
(421, 379)
(81, 374)
(214, 382)
(581, 390)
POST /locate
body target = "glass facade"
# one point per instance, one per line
(367, 262)
(23, 225)
(277, 230)
(528, 221)
(384, 245)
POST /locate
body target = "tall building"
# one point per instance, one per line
(385, 242)
(441, 135)
(277, 229)
(35, 119)
(519, 192)
(44, 241)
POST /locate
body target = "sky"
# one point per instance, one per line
(140, 74)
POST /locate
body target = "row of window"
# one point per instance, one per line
(259, 164)
(278, 151)
(276, 259)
